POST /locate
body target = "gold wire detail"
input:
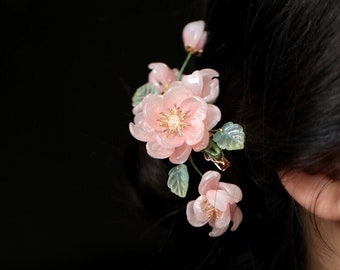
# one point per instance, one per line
(221, 162)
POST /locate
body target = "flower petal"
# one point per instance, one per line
(213, 116)
(194, 82)
(175, 95)
(203, 143)
(217, 231)
(161, 75)
(210, 180)
(232, 190)
(196, 216)
(223, 219)
(236, 218)
(169, 140)
(152, 108)
(139, 133)
(180, 154)
(194, 132)
(219, 199)
(156, 151)
(195, 107)
(201, 43)
(220, 224)
(211, 87)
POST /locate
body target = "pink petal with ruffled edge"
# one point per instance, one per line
(203, 143)
(152, 108)
(181, 154)
(139, 133)
(195, 107)
(175, 95)
(213, 116)
(219, 199)
(236, 217)
(232, 190)
(224, 219)
(194, 133)
(220, 225)
(140, 121)
(169, 140)
(210, 89)
(217, 231)
(194, 82)
(156, 151)
(210, 180)
(161, 75)
(196, 214)
(138, 108)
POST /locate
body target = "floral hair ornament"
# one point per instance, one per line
(175, 115)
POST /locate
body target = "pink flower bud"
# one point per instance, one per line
(194, 37)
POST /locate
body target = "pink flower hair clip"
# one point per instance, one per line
(175, 115)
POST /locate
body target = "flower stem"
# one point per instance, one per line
(194, 165)
(186, 61)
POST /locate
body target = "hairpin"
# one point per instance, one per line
(175, 115)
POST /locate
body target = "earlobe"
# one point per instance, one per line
(317, 193)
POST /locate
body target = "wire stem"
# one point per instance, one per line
(186, 61)
(194, 165)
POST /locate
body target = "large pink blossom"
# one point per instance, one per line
(175, 123)
(216, 205)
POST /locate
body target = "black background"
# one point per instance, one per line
(69, 70)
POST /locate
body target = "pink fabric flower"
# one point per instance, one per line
(194, 36)
(161, 75)
(175, 123)
(216, 205)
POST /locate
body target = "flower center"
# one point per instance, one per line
(211, 210)
(173, 120)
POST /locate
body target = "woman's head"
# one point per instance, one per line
(278, 65)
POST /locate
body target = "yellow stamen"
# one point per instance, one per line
(211, 210)
(173, 120)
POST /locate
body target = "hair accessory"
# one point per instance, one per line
(175, 115)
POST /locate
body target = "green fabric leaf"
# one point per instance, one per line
(178, 180)
(142, 92)
(230, 137)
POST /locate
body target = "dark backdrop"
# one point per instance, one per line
(68, 71)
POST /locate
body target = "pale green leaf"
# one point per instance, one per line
(142, 92)
(230, 137)
(178, 180)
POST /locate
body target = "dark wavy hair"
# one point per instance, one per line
(279, 64)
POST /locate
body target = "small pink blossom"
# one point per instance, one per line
(175, 123)
(194, 36)
(203, 83)
(216, 205)
(161, 75)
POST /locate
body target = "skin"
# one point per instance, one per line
(320, 196)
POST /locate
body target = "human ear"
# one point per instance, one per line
(317, 193)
